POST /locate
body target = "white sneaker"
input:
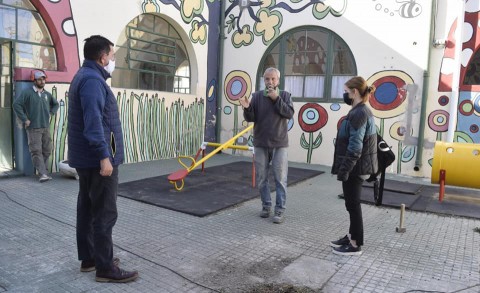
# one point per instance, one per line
(44, 178)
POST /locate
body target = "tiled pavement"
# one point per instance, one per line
(233, 250)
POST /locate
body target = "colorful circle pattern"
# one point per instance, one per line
(390, 94)
(438, 120)
(312, 117)
(227, 110)
(398, 131)
(466, 108)
(474, 128)
(443, 100)
(237, 85)
(476, 104)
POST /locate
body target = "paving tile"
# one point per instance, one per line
(233, 249)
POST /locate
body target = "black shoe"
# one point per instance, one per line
(116, 275)
(348, 249)
(340, 242)
(89, 265)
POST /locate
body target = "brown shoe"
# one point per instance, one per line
(89, 265)
(116, 275)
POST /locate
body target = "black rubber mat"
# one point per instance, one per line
(463, 202)
(205, 192)
(457, 201)
(390, 198)
(398, 186)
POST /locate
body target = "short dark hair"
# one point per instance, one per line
(95, 46)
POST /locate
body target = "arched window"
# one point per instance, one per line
(472, 74)
(151, 56)
(314, 64)
(33, 46)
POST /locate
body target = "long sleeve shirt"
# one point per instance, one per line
(36, 106)
(270, 118)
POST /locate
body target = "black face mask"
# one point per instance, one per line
(347, 99)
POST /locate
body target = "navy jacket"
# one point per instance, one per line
(356, 144)
(270, 118)
(94, 128)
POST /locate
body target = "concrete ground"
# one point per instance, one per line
(234, 250)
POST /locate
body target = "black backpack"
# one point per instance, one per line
(385, 157)
(385, 154)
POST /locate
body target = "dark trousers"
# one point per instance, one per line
(352, 189)
(96, 216)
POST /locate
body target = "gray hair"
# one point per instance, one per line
(270, 69)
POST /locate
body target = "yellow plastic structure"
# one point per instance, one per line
(456, 164)
(179, 175)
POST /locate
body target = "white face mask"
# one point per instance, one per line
(110, 66)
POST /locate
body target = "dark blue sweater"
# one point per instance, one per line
(270, 118)
(94, 128)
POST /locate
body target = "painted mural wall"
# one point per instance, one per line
(156, 125)
(390, 41)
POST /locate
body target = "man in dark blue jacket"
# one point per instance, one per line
(95, 150)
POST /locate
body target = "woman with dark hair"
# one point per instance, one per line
(354, 160)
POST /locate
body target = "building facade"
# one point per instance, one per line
(182, 66)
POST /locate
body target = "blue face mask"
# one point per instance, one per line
(347, 99)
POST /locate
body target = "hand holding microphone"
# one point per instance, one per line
(272, 92)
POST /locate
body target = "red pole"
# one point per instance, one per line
(442, 185)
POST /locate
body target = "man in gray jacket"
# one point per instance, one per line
(270, 109)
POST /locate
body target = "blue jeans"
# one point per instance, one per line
(278, 157)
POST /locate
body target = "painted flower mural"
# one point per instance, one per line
(190, 8)
(311, 118)
(390, 95)
(438, 121)
(243, 38)
(335, 7)
(150, 6)
(198, 33)
(238, 84)
(269, 25)
(269, 14)
(468, 117)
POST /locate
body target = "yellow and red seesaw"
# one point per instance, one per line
(179, 175)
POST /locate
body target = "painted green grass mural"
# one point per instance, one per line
(58, 130)
(153, 128)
